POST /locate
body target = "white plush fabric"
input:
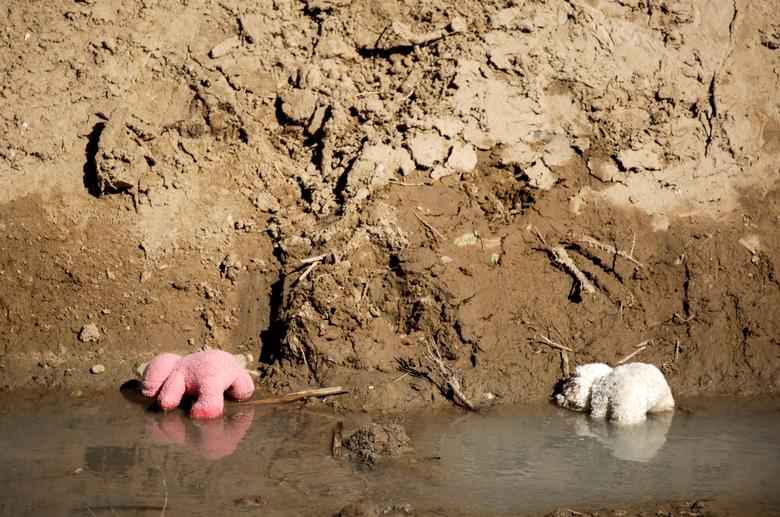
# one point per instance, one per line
(576, 390)
(623, 395)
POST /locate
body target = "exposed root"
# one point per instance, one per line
(562, 258)
(448, 376)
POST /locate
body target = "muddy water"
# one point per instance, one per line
(110, 456)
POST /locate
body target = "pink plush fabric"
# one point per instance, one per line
(206, 375)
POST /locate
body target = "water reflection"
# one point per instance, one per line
(639, 442)
(211, 439)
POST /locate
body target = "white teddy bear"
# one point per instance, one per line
(623, 395)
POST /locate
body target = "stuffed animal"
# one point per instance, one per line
(623, 395)
(206, 375)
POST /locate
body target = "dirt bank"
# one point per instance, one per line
(371, 193)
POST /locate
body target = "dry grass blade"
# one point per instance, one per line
(436, 233)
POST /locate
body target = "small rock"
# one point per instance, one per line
(462, 158)
(145, 275)
(428, 148)
(474, 135)
(299, 105)
(266, 202)
(603, 169)
(558, 152)
(440, 172)
(309, 76)
(89, 332)
(517, 155)
(448, 126)
(224, 47)
(97, 369)
(110, 275)
(253, 26)
(539, 176)
(639, 159)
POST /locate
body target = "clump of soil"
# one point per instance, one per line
(373, 442)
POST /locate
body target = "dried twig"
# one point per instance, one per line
(544, 339)
(165, 488)
(310, 260)
(448, 376)
(406, 184)
(436, 233)
(307, 271)
(641, 346)
(590, 241)
(297, 395)
(335, 446)
(565, 363)
(676, 348)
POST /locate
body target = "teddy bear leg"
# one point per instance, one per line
(172, 391)
(210, 404)
(243, 387)
(599, 399)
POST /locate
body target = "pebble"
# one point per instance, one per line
(97, 369)
(463, 158)
(89, 332)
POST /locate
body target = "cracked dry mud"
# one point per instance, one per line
(166, 166)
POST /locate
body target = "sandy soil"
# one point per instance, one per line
(345, 189)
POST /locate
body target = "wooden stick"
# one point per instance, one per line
(297, 395)
(548, 341)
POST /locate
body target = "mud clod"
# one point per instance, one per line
(373, 442)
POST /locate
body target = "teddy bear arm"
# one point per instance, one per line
(172, 391)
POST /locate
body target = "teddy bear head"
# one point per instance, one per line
(574, 393)
(157, 372)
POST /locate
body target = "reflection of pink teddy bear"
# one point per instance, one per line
(205, 375)
(212, 439)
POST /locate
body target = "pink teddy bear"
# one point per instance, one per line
(205, 375)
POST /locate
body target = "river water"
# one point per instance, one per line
(110, 455)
